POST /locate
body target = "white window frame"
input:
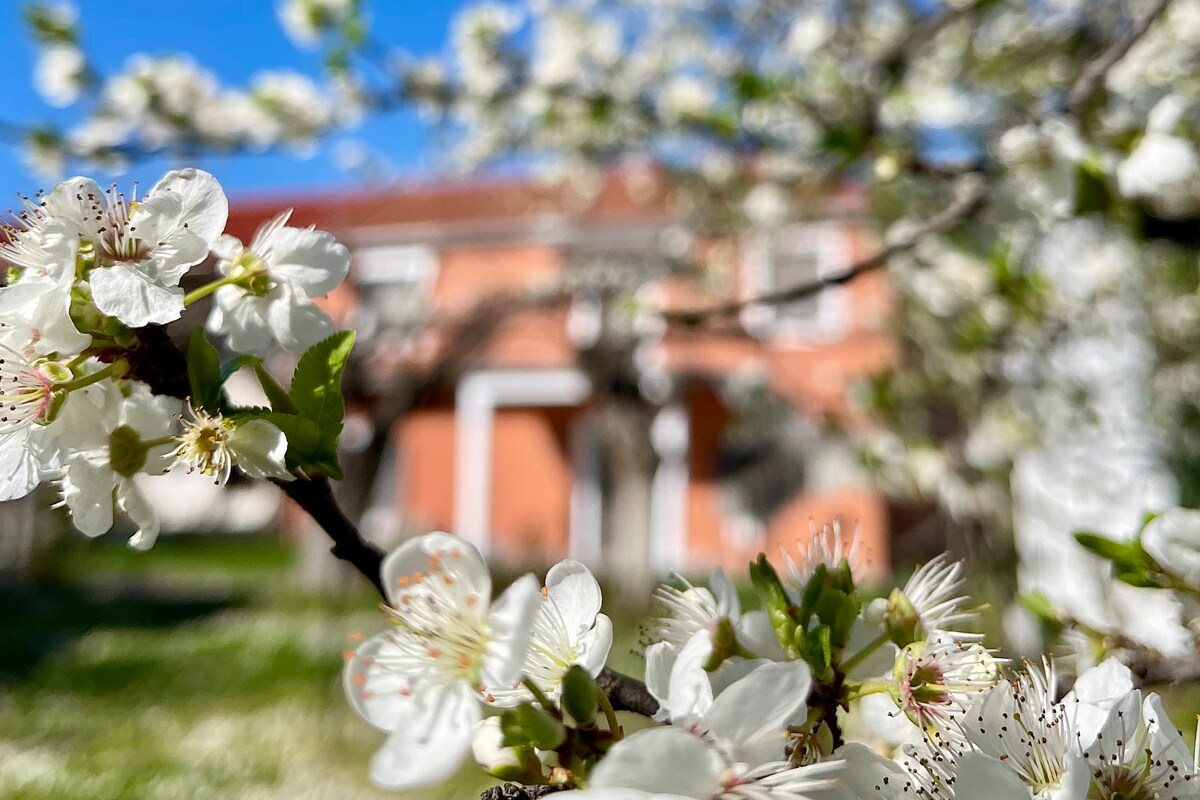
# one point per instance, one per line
(830, 244)
(482, 393)
(416, 264)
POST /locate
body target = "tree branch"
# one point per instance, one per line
(1090, 80)
(971, 195)
(626, 693)
(315, 496)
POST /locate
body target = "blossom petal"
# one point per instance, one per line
(728, 603)
(1095, 692)
(88, 493)
(374, 691)
(1165, 741)
(413, 556)
(865, 773)
(752, 713)
(595, 644)
(660, 660)
(259, 448)
(511, 623)
(297, 323)
(75, 201)
(19, 468)
(51, 318)
(754, 630)
(981, 777)
(1173, 539)
(241, 319)
(203, 206)
(311, 260)
(141, 511)
(432, 743)
(668, 760)
(690, 692)
(16, 295)
(135, 297)
(574, 591)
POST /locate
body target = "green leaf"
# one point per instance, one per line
(317, 384)
(1040, 606)
(529, 725)
(279, 398)
(1139, 577)
(1092, 192)
(778, 605)
(1103, 546)
(580, 695)
(204, 373)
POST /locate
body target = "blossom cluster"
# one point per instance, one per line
(818, 693)
(92, 272)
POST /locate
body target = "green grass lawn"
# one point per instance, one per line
(191, 671)
(198, 671)
(195, 670)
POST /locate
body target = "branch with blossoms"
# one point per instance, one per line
(764, 703)
(818, 691)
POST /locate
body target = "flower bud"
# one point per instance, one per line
(902, 621)
(1173, 540)
(518, 764)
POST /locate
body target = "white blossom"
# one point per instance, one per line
(273, 282)
(426, 679)
(60, 74)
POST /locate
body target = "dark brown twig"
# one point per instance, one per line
(315, 496)
(970, 200)
(1090, 80)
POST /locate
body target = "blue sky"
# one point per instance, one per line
(234, 38)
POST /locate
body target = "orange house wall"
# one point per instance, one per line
(531, 478)
(531, 484)
(424, 442)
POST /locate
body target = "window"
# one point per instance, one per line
(795, 256)
(395, 280)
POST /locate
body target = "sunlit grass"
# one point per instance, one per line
(235, 695)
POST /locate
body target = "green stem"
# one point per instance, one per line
(117, 367)
(159, 442)
(77, 360)
(861, 656)
(539, 695)
(878, 686)
(204, 291)
(610, 717)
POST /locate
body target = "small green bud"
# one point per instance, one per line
(580, 695)
(518, 764)
(780, 610)
(528, 724)
(902, 621)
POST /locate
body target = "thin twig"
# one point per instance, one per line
(1093, 75)
(971, 197)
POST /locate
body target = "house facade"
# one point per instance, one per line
(509, 453)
